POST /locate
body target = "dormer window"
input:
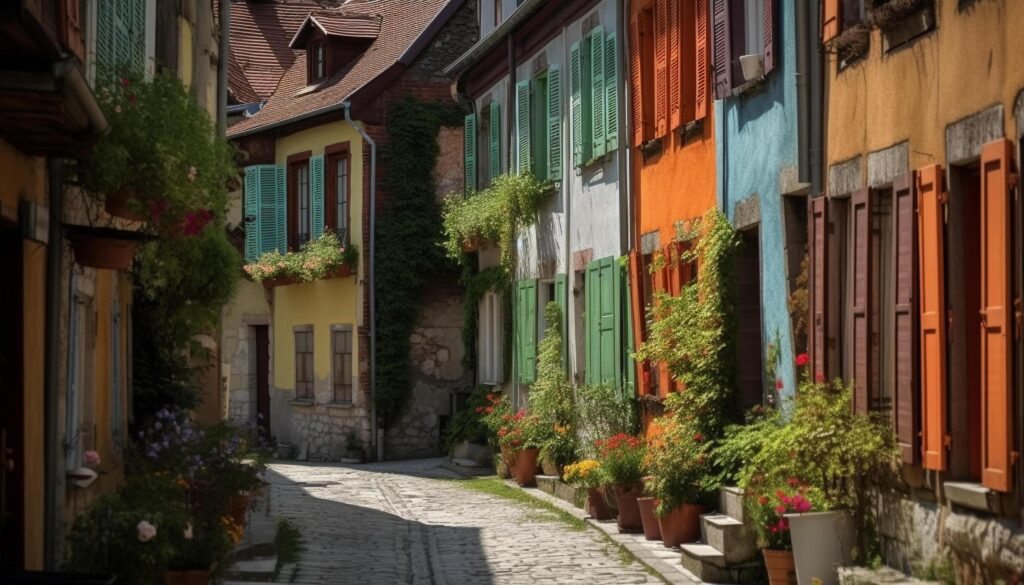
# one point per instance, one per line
(317, 58)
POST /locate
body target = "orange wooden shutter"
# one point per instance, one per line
(637, 307)
(817, 239)
(906, 402)
(687, 42)
(675, 88)
(931, 279)
(860, 207)
(830, 11)
(70, 28)
(996, 317)
(701, 71)
(661, 48)
(635, 68)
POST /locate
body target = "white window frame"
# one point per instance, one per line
(490, 339)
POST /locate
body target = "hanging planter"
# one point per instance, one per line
(124, 203)
(106, 248)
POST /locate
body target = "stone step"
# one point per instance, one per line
(735, 540)
(553, 485)
(706, 563)
(254, 569)
(730, 502)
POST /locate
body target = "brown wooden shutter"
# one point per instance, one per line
(996, 317)
(701, 91)
(932, 299)
(769, 36)
(860, 207)
(906, 399)
(818, 282)
(636, 299)
(661, 81)
(723, 56)
(830, 11)
(675, 88)
(635, 73)
(70, 28)
(664, 379)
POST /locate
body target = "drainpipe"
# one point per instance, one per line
(52, 361)
(817, 98)
(376, 434)
(222, 67)
(627, 230)
(802, 113)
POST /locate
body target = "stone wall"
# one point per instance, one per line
(436, 362)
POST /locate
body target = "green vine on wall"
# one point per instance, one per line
(408, 233)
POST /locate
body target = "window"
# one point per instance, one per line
(337, 202)
(491, 330)
(341, 362)
(317, 61)
(539, 125)
(304, 362)
(753, 21)
(79, 419)
(646, 100)
(743, 35)
(299, 203)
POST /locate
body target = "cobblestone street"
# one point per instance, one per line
(401, 522)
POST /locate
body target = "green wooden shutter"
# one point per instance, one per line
(137, 31)
(251, 219)
(523, 126)
(575, 104)
(591, 322)
(269, 206)
(611, 93)
(469, 152)
(562, 298)
(597, 72)
(495, 140)
(105, 34)
(554, 123)
(280, 216)
(316, 186)
(530, 333)
(627, 357)
(610, 326)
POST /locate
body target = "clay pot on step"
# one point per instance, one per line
(525, 469)
(597, 507)
(780, 566)
(681, 525)
(652, 530)
(629, 511)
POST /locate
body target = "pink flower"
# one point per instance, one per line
(778, 384)
(802, 359)
(195, 221)
(819, 377)
(780, 509)
(157, 208)
(146, 531)
(92, 458)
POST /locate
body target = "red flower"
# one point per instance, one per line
(780, 509)
(763, 500)
(502, 432)
(793, 482)
(698, 437)
(489, 409)
(132, 99)
(778, 384)
(195, 221)
(125, 82)
(479, 409)
(802, 359)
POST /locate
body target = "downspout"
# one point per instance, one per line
(627, 231)
(222, 67)
(817, 98)
(803, 114)
(375, 438)
(52, 360)
(510, 114)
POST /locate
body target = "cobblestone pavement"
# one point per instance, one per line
(397, 522)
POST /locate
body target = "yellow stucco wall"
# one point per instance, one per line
(971, 61)
(185, 52)
(320, 304)
(24, 178)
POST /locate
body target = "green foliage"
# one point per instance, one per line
(622, 459)
(288, 542)
(742, 442)
(939, 568)
(601, 412)
(408, 234)
(694, 334)
(551, 395)
(468, 423)
(315, 261)
(162, 150)
(493, 216)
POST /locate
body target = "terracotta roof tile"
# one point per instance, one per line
(360, 26)
(402, 22)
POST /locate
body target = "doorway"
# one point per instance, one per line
(750, 385)
(262, 336)
(12, 488)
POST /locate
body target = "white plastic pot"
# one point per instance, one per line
(822, 543)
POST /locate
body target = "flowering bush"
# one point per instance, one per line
(523, 430)
(468, 424)
(495, 414)
(622, 458)
(584, 474)
(768, 509)
(680, 459)
(315, 261)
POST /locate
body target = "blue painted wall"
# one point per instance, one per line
(757, 136)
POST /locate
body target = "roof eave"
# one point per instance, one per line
(287, 121)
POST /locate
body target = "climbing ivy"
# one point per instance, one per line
(408, 233)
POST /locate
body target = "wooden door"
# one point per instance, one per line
(263, 379)
(750, 367)
(12, 482)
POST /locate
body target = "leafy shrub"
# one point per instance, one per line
(551, 395)
(601, 411)
(468, 423)
(316, 260)
(622, 459)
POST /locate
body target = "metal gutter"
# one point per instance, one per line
(371, 270)
(484, 45)
(803, 114)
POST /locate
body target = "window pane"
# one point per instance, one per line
(303, 193)
(341, 173)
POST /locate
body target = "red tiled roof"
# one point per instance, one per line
(402, 22)
(355, 26)
(238, 83)
(260, 33)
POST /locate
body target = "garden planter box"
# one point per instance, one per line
(681, 525)
(780, 567)
(822, 543)
(339, 272)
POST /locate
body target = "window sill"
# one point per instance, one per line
(971, 495)
(691, 131)
(340, 405)
(304, 402)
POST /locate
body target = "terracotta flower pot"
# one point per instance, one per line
(652, 530)
(526, 467)
(238, 507)
(629, 511)
(681, 525)
(190, 577)
(597, 506)
(120, 203)
(103, 252)
(780, 566)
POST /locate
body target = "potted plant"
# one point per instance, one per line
(319, 259)
(622, 464)
(552, 399)
(496, 416)
(587, 474)
(200, 545)
(524, 435)
(768, 512)
(648, 516)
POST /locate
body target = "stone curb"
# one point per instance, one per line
(663, 561)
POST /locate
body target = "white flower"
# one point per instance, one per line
(188, 531)
(146, 531)
(117, 109)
